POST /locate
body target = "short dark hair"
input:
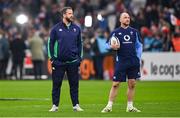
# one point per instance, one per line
(64, 9)
(125, 12)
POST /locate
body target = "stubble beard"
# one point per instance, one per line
(126, 24)
(69, 19)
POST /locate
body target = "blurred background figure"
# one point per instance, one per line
(36, 47)
(18, 48)
(4, 54)
(176, 40)
(100, 49)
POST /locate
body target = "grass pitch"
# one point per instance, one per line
(30, 98)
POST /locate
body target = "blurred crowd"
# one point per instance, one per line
(157, 21)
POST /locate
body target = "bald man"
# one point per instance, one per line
(127, 62)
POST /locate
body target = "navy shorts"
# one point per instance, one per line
(129, 69)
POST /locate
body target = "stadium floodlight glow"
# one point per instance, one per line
(99, 17)
(21, 19)
(88, 21)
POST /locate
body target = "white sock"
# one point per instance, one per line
(130, 104)
(110, 103)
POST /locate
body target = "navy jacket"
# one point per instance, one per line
(65, 44)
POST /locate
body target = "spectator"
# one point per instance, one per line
(176, 40)
(18, 47)
(100, 50)
(148, 41)
(157, 45)
(4, 54)
(166, 38)
(36, 47)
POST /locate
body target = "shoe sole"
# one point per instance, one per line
(106, 111)
(77, 110)
(53, 111)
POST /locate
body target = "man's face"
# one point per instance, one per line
(125, 19)
(69, 15)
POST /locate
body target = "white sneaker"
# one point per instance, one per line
(106, 109)
(77, 108)
(133, 109)
(53, 109)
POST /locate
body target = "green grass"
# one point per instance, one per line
(33, 99)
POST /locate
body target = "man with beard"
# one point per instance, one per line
(127, 62)
(65, 53)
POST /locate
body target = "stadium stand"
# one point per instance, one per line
(157, 21)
